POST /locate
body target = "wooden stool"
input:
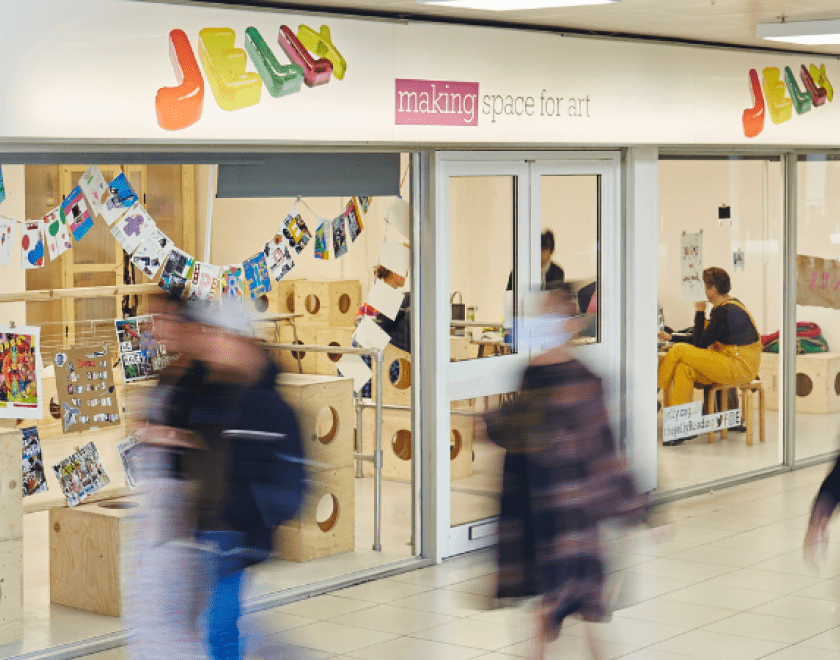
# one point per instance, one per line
(746, 407)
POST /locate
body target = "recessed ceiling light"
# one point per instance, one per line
(512, 5)
(809, 33)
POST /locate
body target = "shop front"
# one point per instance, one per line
(319, 169)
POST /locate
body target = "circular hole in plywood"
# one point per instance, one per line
(299, 354)
(344, 303)
(400, 373)
(456, 442)
(326, 514)
(119, 505)
(312, 303)
(804, 385)
(326, 425)
(837, 385)
(334, 357)
(261, 303)
(290, 302)
(401, 444)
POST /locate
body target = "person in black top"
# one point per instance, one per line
(551, 273)
(823, 508)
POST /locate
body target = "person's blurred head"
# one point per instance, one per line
(546, 247)
(718, 279)
(223, 338)
(170, 327)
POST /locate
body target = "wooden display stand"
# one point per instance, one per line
(398, 393)
(460, 349)
(327, 363)
(11, 535)
(345, 300)
(311, 536)
(817, 382)
(308, 360)
(85, 547)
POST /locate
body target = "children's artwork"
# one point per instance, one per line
(151, 254)
(20, 373)
(322, 250)
(34, 478)
(353, 366)
(233, 283)
(296, 232)
(278, 257)
(81, 475)
(339, 237)
(354, 220)
(176, 272)
(133, 228)
(84, 382)
(691, 267)
(32, 246)
(257, 275)
(369, 335)
(94, 187)
(120, 198)
(364, 203)
(2, 186)
(7, 236)
(395, 257)
(738, 260)
(397, 216)
(385, 299)
(76, 214)
(56, 233)
(128, 449)
(205, 282)
(141, 356)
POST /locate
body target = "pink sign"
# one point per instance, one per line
(436, 103)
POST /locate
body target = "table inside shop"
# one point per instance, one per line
(497, 346)
(277, 319)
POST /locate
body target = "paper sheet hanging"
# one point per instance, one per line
(339, 237)
(94, 187)
(21, 394)
(257, 275)
(322, 250)
(385, 299)
(7, 237)
(133, 228)
(75, 210)
(352, 366)
(370, 335)
(295, 231)
(397, 216)
(176, 271)
(120, 198)
(395, 257)
(84, 382)
(691, 267)
(152, 253)
(32, 246)
(34, 477)
(233, 283)
(354, 220)
(204, 282)
(81, 475)
(278, 258)
(56, 233)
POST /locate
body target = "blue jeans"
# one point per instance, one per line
(225, 571)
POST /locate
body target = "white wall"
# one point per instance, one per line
(13, 279)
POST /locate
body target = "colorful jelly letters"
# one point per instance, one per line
(224, 66)
(315, 72)
(321, 44)
(775, 100)
(279, 80)
(181, 106)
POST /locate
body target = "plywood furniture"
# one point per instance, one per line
(85, 548)
(817, 382)
(326, 363)
(345, 300)
(11, 536)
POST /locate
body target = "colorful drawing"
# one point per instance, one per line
(141, 356)
(257, 275)
(133, 228)
(691, 267)
(364, 203)
(354, 220)
(278, 257)
(322, 250)
(76, 214)
(32, 246)
(2, 186)
(94, 187)
(233, 282)
(339, 237)
(20, 374)
(205, 282)
(224, 66)
(81, 475)
(295, 231)
(85, 385)
(128, 450)
(56, 233)
(7, 236)
(279, 80)
(121, 197)
(176, 272)
(34, 478)
(151, 254)
(315, 72)
(181, 106)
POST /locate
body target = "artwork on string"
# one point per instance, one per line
(353, 366)
(322, 250)
(354, 220)
(34, 477)
(204, 283)
(176, 272)
(94, 187)
(364, 203)
(369, 334)
(20, 372)
(120, 198)
(32, 246)
(691, 267)
(233, 283)
(128, 451)
(76, 214)
(81, 475)
(257, 275)
(133, 228)
(151, 254)
(296, 232)
(385, 299)
(141, 355)
(278, 257)
(2, 186)
(395, 257)
(339, 237)
(397, 216)
(56, 233)
(7, 237)
(84, 382)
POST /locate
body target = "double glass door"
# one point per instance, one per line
(509, 226)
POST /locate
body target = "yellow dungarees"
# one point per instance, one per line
(720, 364)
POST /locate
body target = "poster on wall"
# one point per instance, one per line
(120, 198)
(81, 475)
(94, 187)
(141, 355)
(233, 283)
(176, 272)
(7, 237)
(84, 382)
(133, 228)
(56, 233)
(817, 282)
(322, 250)
(152, 253)
(257, 275)
(20, 369)
(204, 283)
(691, 267)
(76, 214)
(128, 450)
(32, 246)
(339, 237)
(295, 231)
(34, 477)
(278, 257)
(354, 220)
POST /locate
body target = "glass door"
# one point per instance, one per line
(513, 224)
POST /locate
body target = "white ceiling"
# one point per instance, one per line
(718, 21)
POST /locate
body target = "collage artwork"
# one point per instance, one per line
(141, 355)
(81, 475)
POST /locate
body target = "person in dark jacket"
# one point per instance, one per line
(551, 274)
(825, 503)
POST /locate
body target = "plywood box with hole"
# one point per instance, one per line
(312, 300)
(817, 382)
(459, 349)
(396, 387)
(345, 300)
(326, 525)
(86, 543)
(324, 407)
(327, 363)
(11, 590)
(308, 359)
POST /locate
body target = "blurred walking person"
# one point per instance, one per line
(562, 477)
(825, 504)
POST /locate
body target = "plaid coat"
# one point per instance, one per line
(562, 477)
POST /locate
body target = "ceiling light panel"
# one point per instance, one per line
(809, 33)
(513, 5)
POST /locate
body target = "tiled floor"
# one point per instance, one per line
(727, 582)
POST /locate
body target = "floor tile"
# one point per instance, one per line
(275, 620)
(674, 612)
(715, 646)
(483, 586)
(773, 628)
(780, 583)
(567, 647)
(395, 620)
(829, 640)
(380, 591)
(323, 607)
(630, 632)
(670, 567)
(803, 609)
(411, 648)
(713, 596)
(451, 603)
(478, 634)
(802, 652)
(334, 638)
(651, 654)
(724, 556)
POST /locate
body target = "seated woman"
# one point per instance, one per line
(726, 351)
